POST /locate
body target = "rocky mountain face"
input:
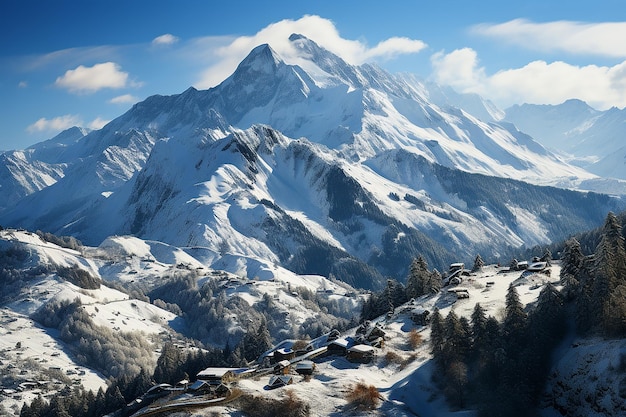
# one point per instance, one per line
(316, 165)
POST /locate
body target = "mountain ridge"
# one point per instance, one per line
(288, 163)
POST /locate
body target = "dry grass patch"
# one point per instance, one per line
(288, 406)
(415, 339)
(363, 397)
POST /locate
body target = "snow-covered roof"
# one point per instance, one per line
(216, 372)
(279, 380)
(361, 349)
(343, 342)
(305, 364)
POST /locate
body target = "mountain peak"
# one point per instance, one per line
(262, 59)
(310, 52)
(296, 36)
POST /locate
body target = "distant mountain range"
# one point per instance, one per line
(316, 165)
(586, 137)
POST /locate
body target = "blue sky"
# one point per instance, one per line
(65, 63)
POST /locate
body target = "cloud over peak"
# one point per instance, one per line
(321, 30)
(55, 124)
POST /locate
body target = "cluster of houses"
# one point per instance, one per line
(282, 364)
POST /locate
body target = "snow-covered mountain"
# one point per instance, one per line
(589, 138)
(313, 164)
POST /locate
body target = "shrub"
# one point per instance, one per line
(392, 357)
(79, 277)
(414, 339)
(288, 406)
(363, 397)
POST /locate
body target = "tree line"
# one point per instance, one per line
(501, 367)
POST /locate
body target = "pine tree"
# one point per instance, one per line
(609, 274)
(434, 282)
(478, 263)
(169, 365)
(113, 399)
(256, 342)
(437, 335)
(547, 257)
(478, 329)
(514, 326)
(418, 277)
(572, 258)
(457, 338)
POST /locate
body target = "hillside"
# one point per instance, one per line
(39, 360)
(34, 281)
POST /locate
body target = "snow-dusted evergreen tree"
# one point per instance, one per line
(478, 322)
(437, 335)
(572, 258)
(434, 282)
(478, 263)
(547, 257)
(514, 325)
(610, 278)
(418, 278)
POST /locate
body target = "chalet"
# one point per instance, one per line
(537, 266)
(460, 293)
(338, 347)
(159, 390)
(361, 353)
(368, 332)
(217, 376)
(463, 293)
(199, 386)
(277, 381)
(283, 354)
(282, 367)
(305, 367)
(522, 265)
(457, 266)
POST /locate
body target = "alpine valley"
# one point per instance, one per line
(295, 187)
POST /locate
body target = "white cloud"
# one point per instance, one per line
(393, 47)
(603, 39)
(56, 124)
(22, 84)
(537, 82)
(124, 99)
(91, 79)
(166, 39)
(320, 30)
(458, 69)
(98, 123)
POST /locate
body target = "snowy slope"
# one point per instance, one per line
(586, 379)
(30, 352)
